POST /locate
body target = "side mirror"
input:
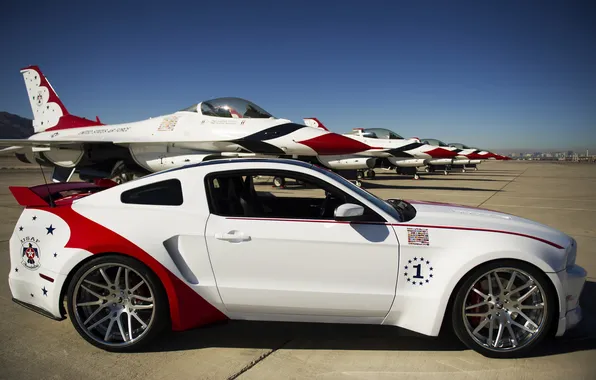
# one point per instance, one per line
(348, 212)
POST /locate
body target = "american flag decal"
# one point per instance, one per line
(418, 236)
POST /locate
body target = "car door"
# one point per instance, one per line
(273, 262)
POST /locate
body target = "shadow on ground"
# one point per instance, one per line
(377, 185)
(313, 336)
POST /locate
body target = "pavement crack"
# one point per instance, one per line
(504, 186)
(257, 361)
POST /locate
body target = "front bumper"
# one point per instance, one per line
(572, 280)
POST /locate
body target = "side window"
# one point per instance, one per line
(253, 194)
(164, 193)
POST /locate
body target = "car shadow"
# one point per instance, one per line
(322, 336)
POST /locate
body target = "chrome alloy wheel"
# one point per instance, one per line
(113, 304)
(505, 309)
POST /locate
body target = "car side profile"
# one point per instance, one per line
(191, 246)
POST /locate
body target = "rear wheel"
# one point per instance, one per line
(116, 303)
(504, 309)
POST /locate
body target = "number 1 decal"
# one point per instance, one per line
(420, 273)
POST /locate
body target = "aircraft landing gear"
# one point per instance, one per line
(416, 176)
(358, 183)
(279, 182)
(370, 174)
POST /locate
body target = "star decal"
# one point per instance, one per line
(50, 230)
(21, 228)
(418, 274)
(55, 254)
(16, 269)
(34, 218)
(45, 291)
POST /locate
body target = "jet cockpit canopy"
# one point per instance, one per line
(459, 146)
(376, 133)
(236, 108)
(433, 142)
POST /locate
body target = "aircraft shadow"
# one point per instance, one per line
(287, 335)
(434, 178)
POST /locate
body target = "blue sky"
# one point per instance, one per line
(505, 74)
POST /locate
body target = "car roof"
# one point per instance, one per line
(224, 161)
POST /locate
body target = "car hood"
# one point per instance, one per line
(447, 215)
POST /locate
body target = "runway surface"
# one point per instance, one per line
(562, 195)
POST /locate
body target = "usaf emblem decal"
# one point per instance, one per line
(31, 253)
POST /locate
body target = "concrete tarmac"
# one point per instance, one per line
(562, 195)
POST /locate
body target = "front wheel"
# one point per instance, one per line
(504, 309)
(116, 303)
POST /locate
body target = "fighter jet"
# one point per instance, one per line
(390, 150)
(221, 127)
(464, 156)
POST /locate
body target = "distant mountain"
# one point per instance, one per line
(14, 126)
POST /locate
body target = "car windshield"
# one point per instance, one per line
(383, 205)
(237, 108)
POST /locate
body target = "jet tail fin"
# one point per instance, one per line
(48, 110)
(314, 122)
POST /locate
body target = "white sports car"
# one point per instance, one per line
(186, 247)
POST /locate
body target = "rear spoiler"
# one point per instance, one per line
(40, 195)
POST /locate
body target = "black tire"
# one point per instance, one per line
(160, 311)
(459, 322)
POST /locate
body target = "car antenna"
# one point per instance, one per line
(52, 204)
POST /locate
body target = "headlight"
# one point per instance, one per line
(571, 253)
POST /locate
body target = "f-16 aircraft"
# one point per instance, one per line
(216, 128)
(464, 156)
(390, 150)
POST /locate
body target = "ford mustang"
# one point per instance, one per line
(190, 246)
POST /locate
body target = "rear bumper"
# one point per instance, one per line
(572, 280)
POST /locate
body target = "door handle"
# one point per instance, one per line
(233, 236)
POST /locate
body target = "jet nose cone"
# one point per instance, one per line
(333, 143)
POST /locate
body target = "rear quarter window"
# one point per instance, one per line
(163, 193)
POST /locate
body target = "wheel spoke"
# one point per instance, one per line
(490, 285)
(539, 306)
(137, 286)
(90, 303)
(117, 279)
(109, 330)
(142, 307)
(476, 314)
(481, 325)
(476, 305)
(516, 290)
(480, 293)
(525, 296)
(99, 296)
(98, 322)
(522, 327)
(513, 338)
(499, 334)
(146, 299)
(499, 282)
(96, 284)
(126, 279)
(491, 329)
(511, 280)
(105, 277)
(124, 338)
(531, 322)
(93, 315)
(139, 320)
(129, 325)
